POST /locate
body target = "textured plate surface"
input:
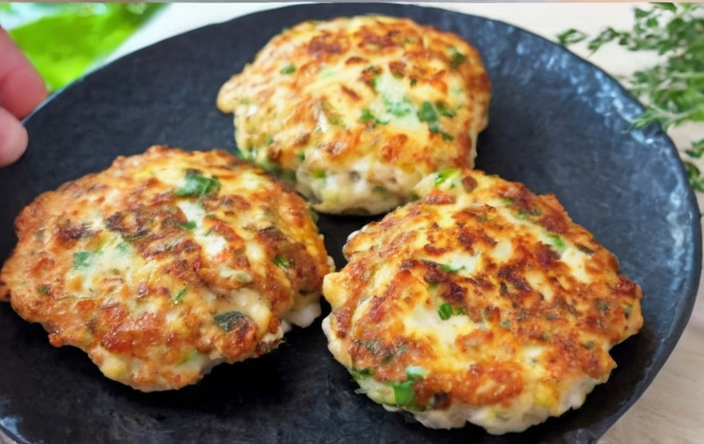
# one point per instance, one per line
(557, 124)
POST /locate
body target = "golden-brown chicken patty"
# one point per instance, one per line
(355, 111)
(166, 264)
(479, 303)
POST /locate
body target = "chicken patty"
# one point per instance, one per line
(480, 303)
(166, 264)
(353, 112)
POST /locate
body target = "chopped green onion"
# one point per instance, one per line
(281, 262)
(403, 393)
(444, 174)
(178, 298)
(451, 268)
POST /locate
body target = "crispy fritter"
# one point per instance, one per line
(479, 303)
(166, 264)
(355, 111)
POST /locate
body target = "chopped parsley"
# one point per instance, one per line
(290, 68)
(429, 115)
(368, 117)
(444, 109)
(44, 289)
(81, 259)
(190, 225)
(398, 109)
(230, 320)
(456, 58)
(197, 185)
(445, 311)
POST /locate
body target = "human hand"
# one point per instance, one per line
(21, 90)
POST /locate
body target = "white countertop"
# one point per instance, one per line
(672, 409)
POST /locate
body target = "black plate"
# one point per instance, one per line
(558, 124)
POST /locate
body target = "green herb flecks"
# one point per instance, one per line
(190, 225)
(178, 297)
(282, 262)
(444, 109)
(444, 174)
(400, 108)
(331, 114)
(289, 68)
(197, 185)
(429, 115)
(231, 320)
(445, 311)
(81, 259)
(44, 289)
(451, 268)
(456, 58)
(404, 393)
(368, 118)
(673, 87)
(557, 243)
(358, 374)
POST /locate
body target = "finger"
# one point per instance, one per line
(13, 138)
(21, 87)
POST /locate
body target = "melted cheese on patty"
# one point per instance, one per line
(166, 264)
(355, 111)
(479, 303)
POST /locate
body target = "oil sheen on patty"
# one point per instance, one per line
(481, 302)
(166, 264)
(353, 112)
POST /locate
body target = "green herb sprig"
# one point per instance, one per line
(672, 89)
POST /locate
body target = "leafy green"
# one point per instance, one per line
(197, 185)
(65, 40)
(673, 88)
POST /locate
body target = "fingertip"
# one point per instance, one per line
(13, 138)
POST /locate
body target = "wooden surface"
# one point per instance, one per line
(672, 409)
